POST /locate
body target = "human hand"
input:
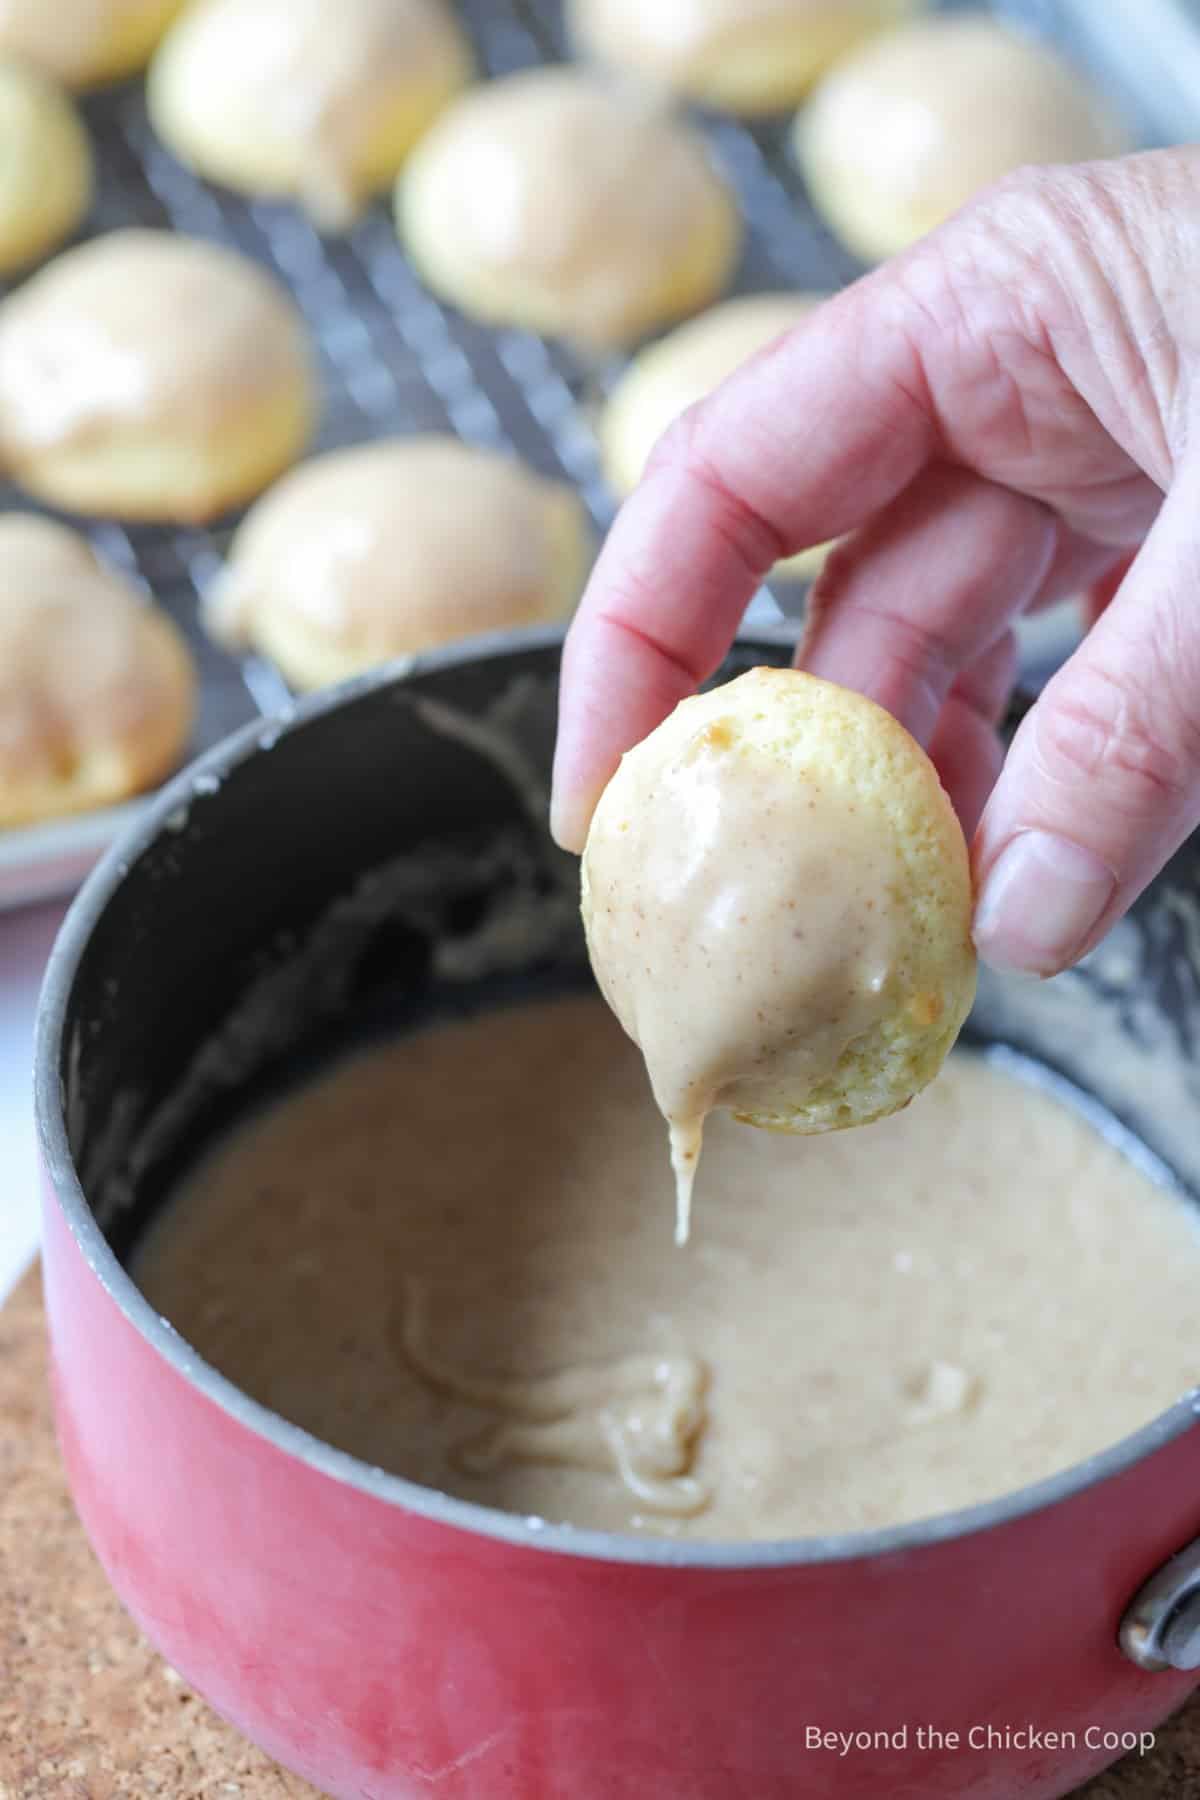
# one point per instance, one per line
(1000, 417)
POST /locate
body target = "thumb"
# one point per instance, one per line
(1102, 783)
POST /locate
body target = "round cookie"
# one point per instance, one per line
(45, 166)
(320, 100)
(669, 376)
(97, 690)
(777, 900)
(150, 376)
(84, 43)
(557, 202)
(745, 56)
(907, 129)
(391, 548)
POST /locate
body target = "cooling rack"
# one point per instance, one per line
(393, 360)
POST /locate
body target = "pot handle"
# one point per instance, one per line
(1161, 1627)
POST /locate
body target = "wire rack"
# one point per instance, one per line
(394, 361)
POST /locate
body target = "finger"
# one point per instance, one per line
(925, 589)
(968, 756)
(966, 749)
(739, 482)
(1102, 591)
(1103, 780)
(659, 614)
(1067, 604)
(987, 685)
(1080, 564)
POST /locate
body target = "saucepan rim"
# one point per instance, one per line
(338, 1465)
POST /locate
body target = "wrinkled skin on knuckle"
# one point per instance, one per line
(979, 307)
(1045, 341)
(1120, 242)
(1123, 345)
(1109, 735)
(1150, 232)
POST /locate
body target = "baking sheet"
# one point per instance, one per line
(395, 361)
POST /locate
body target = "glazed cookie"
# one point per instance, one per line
(392, 548)
(151, 376)
(84, 43)
(320, 100)
(907, 129)
(96, 685)
(45, 166)
(745, 56)
(669, 376)
(554, 201)
(777, 901)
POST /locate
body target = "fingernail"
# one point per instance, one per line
(567, 826)
(1042, 899)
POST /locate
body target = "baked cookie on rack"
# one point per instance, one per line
(45, 165)
(97, 689)
(907, 129)
(314, 100)
(150, 376)
(84, 43)
(742, 56)
(558, 202)
(395, 547)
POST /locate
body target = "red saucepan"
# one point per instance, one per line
(389, 1642)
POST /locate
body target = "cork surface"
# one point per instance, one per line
(89, 1712)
